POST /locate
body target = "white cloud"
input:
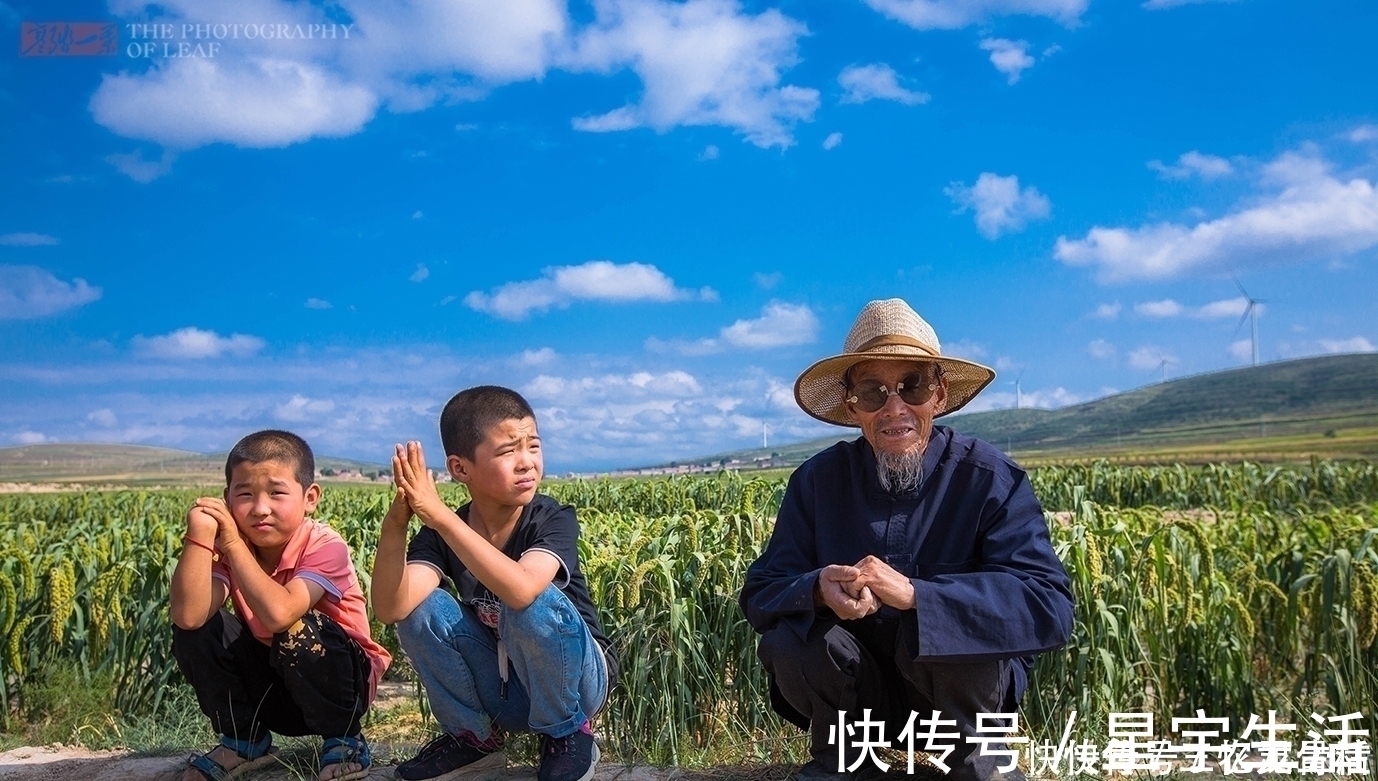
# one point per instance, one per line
(955, 14)
(1225, 308)
(1159, 309)
(27, 240)
(596, 280)
(416, 215)
(1158, 5)
(1101, 350)
(420, 274)
(767, 281)
(1009, 57)
(689, 347)
(876, 82)
(134, 166)
(31, 438)
(779, 325)
(1045, 398)
(27, 292)
(639, 385)
(1151, 358)
(1354, 344)
(317, 303)
(999, 203)
(964, 348)
(702, 62)
(301, 408)
(833, 141)
(1363, 133)
(1193, 163)
(1313, 215)
(263, 101)
(104, 417)
(192, 342)
(709, 152)
(541, 357)
(1242, 349)
(1107, 311)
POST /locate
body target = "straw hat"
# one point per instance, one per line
(888, 331)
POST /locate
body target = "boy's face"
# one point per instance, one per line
(507, 465)
(267, 502)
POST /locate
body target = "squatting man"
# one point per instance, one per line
(910, 570)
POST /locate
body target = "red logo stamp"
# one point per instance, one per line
(68, 39)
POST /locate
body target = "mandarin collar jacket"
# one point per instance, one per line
(972, 539)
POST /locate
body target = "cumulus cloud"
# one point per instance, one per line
(1009, 57)
(999, 203)
(1158, 5)
(955, 14)
(833, 141)
(1107, 311)
(1354, 344)
(27, 437)
(1303, 212)
(1215, 310)
(134, 166)
(103, 417)
(710, 152)
(27, 240)
(702, 62)
(318, 303)
(965, 348)
(194, 343)
(1193, 163)
(1150, 358)
(541, 357)
(420, 274)
(596, 280)
(1242, 349)
(27, 292)
(301, 408)
(1363, 134)
(780, 325)
(1101, 350)
(1159, 309)
(876, 82)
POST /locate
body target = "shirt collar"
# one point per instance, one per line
(296, 546)
(932, 454)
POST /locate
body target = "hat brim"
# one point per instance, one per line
(818, 391)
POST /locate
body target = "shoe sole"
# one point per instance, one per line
(472, 771)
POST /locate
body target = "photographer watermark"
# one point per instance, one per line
(163, 40)
(1334, 745)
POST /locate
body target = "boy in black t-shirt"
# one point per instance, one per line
(522, 650)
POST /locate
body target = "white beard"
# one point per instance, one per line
(900, 473)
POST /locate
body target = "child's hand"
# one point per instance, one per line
(414, 479)
(226, 532)
(399, 514)
(201, 525)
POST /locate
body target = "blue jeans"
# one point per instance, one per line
(558, 676)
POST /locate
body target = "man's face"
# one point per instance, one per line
(896, 428)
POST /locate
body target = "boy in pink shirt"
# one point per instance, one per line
(295, 657)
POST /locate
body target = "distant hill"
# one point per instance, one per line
(132, 464)
(1326, 406)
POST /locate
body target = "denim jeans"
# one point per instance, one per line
(558, 676)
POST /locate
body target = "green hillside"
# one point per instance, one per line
(130, 464)
(1290, 410)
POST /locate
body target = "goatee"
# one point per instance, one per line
(900, 472)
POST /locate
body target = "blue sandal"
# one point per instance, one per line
(344, 751)
(255, 755)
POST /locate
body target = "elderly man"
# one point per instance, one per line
(910, 570)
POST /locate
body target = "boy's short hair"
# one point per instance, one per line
(465, 421)
(273, 445)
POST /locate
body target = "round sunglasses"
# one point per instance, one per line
(913, 389)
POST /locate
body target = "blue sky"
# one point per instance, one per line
(650, 215)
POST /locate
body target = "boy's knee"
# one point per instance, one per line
(220, 630)
(433, 620)
(303, 640)
(551, 614)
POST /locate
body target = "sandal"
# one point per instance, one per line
(343, 751)
(255, 755)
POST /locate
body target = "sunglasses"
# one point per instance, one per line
(913, 389)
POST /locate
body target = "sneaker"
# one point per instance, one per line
(452, 756)
(571, 758)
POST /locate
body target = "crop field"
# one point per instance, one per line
(1231, 588)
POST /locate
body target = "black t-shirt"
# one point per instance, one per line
(545, 525)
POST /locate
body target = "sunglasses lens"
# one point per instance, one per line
(870, 396)
(916, 389)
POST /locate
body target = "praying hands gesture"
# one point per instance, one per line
(416, 488)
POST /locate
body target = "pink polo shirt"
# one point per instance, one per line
(319, 554)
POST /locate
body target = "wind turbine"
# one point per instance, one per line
(1162, 369)
(1019, 391)
(1250, 314)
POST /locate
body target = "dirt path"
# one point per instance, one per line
(70, 764)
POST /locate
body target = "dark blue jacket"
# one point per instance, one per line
(972, 538)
